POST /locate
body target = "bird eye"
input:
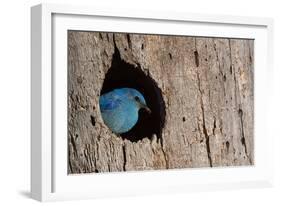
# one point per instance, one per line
(137, 98)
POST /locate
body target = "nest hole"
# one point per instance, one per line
(123, 74)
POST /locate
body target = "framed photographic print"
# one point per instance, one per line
(137, 102)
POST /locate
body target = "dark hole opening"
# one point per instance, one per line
(122, 74)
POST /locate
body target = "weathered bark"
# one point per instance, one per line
(207, 87)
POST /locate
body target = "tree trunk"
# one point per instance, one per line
(207, 85)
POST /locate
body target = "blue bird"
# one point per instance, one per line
(120, 108)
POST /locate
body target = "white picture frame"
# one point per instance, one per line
(49, 179)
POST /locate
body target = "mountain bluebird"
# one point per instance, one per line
(120, 108)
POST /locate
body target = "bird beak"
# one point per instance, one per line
(147, 109)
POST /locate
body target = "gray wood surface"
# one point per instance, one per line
(207, 86)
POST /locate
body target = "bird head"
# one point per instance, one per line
(139, 100)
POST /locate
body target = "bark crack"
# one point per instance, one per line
(72, 141)
(205, 132)
(220, 70)
(232, 69)
(70, 164)
(215, 126)
(165, 156)
(129, 41)
(124, 156)
(94, 157)
(243, 140)
(196, 55)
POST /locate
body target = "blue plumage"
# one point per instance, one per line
(120, 107)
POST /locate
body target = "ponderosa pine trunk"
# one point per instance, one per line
(207, 88)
